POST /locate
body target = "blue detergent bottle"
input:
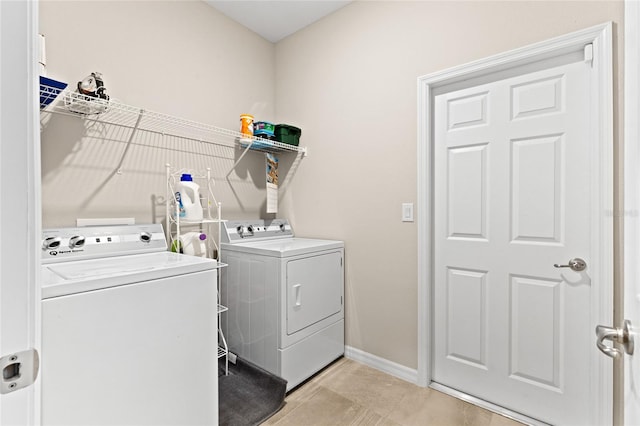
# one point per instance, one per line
(188, 199)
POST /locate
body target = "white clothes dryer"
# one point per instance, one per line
(129, 330)
(285, 297)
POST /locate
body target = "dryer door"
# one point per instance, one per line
(314, 289)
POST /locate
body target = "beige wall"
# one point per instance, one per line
(181, 58)
(349, 81)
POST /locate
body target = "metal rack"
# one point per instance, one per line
(115, 113)
(175, 226)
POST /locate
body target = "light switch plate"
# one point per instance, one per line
(407, 212)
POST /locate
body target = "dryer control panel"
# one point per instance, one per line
(238, 231)
(65, 244)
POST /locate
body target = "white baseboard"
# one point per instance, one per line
(400, 371)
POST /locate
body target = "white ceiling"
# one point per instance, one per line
(275, 20)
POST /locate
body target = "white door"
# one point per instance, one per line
(632, 211)
(19, 211)
(513, 196)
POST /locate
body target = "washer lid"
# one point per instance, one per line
(85, 275)
(284, 247)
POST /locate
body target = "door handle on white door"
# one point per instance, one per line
(576, 264)
(620, 335)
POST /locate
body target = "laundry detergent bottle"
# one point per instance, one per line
(193, 243)
(188, 199)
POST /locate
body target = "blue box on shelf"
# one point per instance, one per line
(49, 90)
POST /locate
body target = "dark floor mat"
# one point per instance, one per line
(248, 395)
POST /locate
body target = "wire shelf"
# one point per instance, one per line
(123, 115)
(47, 95)
(221, 352)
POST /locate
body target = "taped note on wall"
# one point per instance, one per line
(272, 183)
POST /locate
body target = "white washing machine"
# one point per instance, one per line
(285, 297)
(129, 330)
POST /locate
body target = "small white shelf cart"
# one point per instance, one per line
(211, 224)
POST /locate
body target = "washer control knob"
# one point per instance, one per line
(145, 237)
(240, 230)
(51, 243)
(282, 227)
(76, 242)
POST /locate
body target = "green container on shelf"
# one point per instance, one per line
(288, 134)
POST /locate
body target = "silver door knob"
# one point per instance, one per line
(576, 264)
(620, 335)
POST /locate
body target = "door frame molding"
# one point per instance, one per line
(602, 215)
(20, 174)
(631, 274)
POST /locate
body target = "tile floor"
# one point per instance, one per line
(350, 393)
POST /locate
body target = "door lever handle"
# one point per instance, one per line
(576, 264)
(620, 335)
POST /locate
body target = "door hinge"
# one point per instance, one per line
(588, 54)
(19, 370)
